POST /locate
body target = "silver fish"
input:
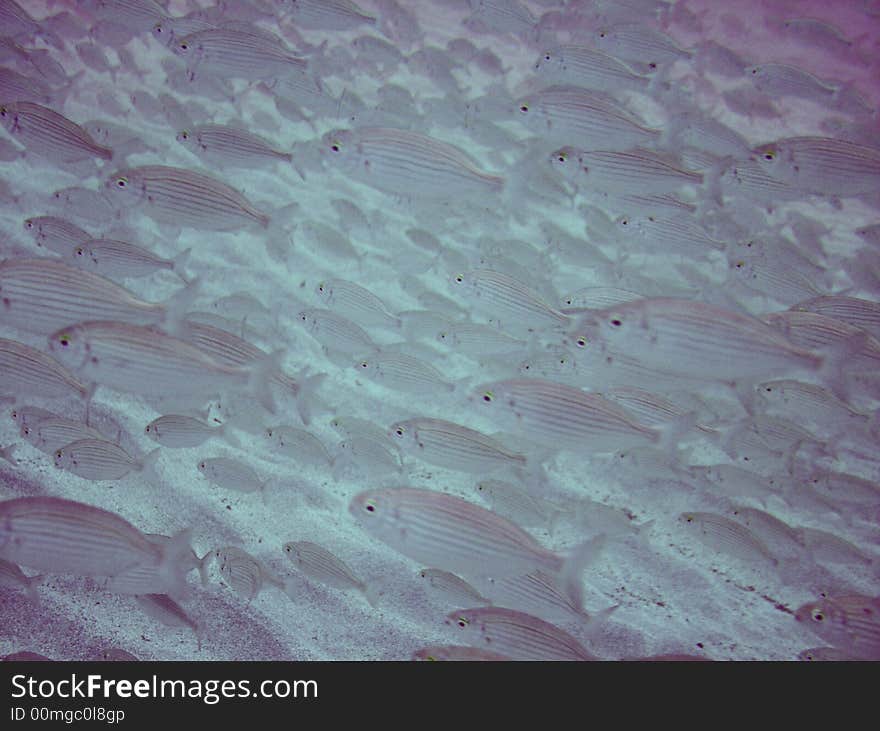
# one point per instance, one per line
(181, 197)
(48, 134)
(179, 431)
(231, 474)
(318, 563)
(453, 446)
(229, 146)
(244, 573)
(25, 370)
(100, 459)
(326, 14)
(122, 260)
(587, 67)
(406, 163)
(55, 234)
(518, 635)
(849, 622)
(60, 536)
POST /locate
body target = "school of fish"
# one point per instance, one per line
(440, 330)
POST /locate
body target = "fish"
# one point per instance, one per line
(51, 433)
(136, 359)
(518, 635)
(402, 372)
(121, 260)
(355, 302)
(318, 563)
(456, 535)
(728, 537)
(101, 459)
(860, 313)
(326, 14)
(237, 51)
(181, 197)
(455, 447)
(696, 339)
(50, 135)
(26, 370)
(849, 622)
(231, 474)
(244, 573)
(563, 417)
(59, 536)
(42, 295)
(163, 608)
(589, 68)
(452, 589)
(569, 115)
(617, 172)
(228, 146)
(12, 577)
(508, 298)
(822, 165)
(335, 332)
(639, 44)
(179, 431)
(406, 163)
(56, 234)
(298, 444)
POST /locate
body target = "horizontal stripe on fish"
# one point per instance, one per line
(27, 371)
(49, 134)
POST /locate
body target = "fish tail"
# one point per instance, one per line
(230, 438)
(31, 587)
(305, 395)
(148, 467)
(204, 561)
(6, 453)
(836, 359)
(596, 622)
(177, 306)
(570, 577)
(176, 557)
(371, 594)
(672, 433)
(179, 264)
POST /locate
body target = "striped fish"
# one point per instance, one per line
(406, 163)
(100, 459)
(52, 433)
(244, 573)
(518, 635)
(56, 234)
(122, 260)
(318, 563)
(42, 295)
(506, 297)
(568, 115)
(402, 372)
(587, 67)
(695, 339)
(822, 165)
(728, 537)
(618, 172)
(860, 313)
(449, 533)
(237, 51)
(66, 537)
(144, 360)
(639, 44)
(25, 370)
(453, 446)
(336, 332)
(563, 417)
(179, 431)
(326, 14)
(452, 589)
(850, 623)
(181, 197)
(229, 146)
(49, 134)
(355, 302)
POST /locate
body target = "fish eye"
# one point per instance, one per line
(769, 156)
(561, 157)
(3, 111)
(581, 342)
(740, 264)
(80, 251)
(400, 431)
(462, 622)
(29, 224)
(184, 135)
(64, 341)
(524, 108)
(364, 364)
(370, 506)
(202, 465)
(26, 430)
(616, 322)
(321, 287)
(59, 454)
(183, 46)
(459, 278)
(336, 147)
(602, 34)
(817, 615)
(121, 182)
(147, 429)
(488, 397)
(688, 518)
(547, 57)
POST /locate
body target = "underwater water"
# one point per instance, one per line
(712, 467)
